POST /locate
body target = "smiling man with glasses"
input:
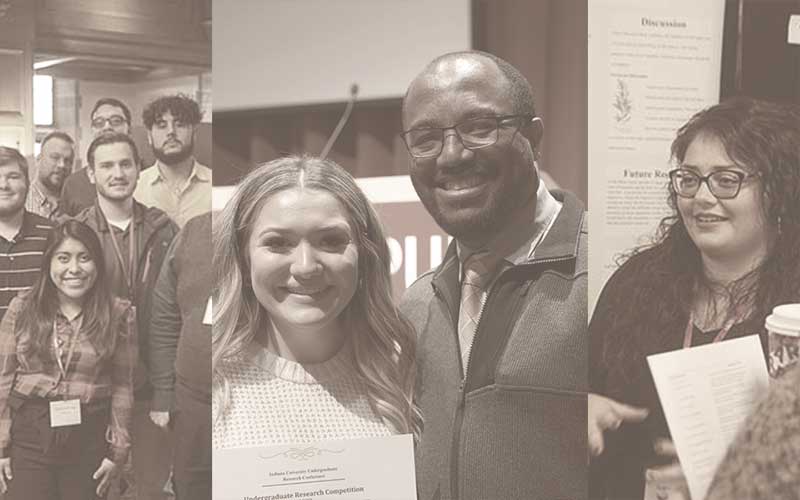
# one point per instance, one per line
(502, 348)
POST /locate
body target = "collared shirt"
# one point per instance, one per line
(86, 379)
(21, 258)
(518, 242)
(192, 199)
(41, 203)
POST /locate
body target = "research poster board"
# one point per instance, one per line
(416, 242)
(652, 65)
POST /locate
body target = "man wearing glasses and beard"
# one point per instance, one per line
(502, 349)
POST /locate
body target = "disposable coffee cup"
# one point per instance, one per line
(783, 327)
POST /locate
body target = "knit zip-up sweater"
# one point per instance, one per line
(515, 426)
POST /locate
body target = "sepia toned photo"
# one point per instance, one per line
(341, 249)
(105, 199)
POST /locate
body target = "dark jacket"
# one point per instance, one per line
(619, 473)
(515, 426)
(180, 340)
(78, 193)
(154, 233)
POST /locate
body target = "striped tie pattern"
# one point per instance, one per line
(478, 272)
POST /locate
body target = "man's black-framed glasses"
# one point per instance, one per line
(475, 133)
(114, 121)
(723, 184)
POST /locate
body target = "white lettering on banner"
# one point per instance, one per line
(404, 257)
(411, 259)
(396, 252)
(436, 250)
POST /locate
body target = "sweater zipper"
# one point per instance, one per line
(458, 413)
(459, 417)
(459, 420)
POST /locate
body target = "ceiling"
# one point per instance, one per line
(95, 68)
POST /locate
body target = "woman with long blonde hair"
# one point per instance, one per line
(307, 342)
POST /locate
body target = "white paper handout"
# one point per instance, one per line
(707, 392)
(356, 469)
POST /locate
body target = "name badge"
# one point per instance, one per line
(209, 315)
(64, 413)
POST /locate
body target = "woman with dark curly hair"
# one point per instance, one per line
(726, 256)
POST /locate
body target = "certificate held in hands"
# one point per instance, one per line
(354, 469)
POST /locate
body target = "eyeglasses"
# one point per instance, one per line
(475, 133)
(114, 121)
(723, 184)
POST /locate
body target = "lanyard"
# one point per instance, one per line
(129, 272)
(63, 367)
(687, 335)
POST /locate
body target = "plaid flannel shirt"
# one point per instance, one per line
(87, 378)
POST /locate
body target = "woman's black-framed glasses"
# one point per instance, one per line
(475, 133)
(723, 184)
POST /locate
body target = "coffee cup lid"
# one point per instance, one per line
(785, 320)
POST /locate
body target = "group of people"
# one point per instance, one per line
(104, 353)
(488, 360)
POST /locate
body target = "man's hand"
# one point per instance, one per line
(106, 473)
(606, 414)
(5, 473)
(160, 418)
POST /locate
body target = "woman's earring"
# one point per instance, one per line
(779, 224)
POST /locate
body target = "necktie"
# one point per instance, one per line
(479, 269)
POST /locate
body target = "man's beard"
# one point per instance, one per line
(51, 185)
(173, 158)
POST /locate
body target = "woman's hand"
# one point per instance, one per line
(106, 473)
(670, 474)
(5, 473)
(606, 414)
